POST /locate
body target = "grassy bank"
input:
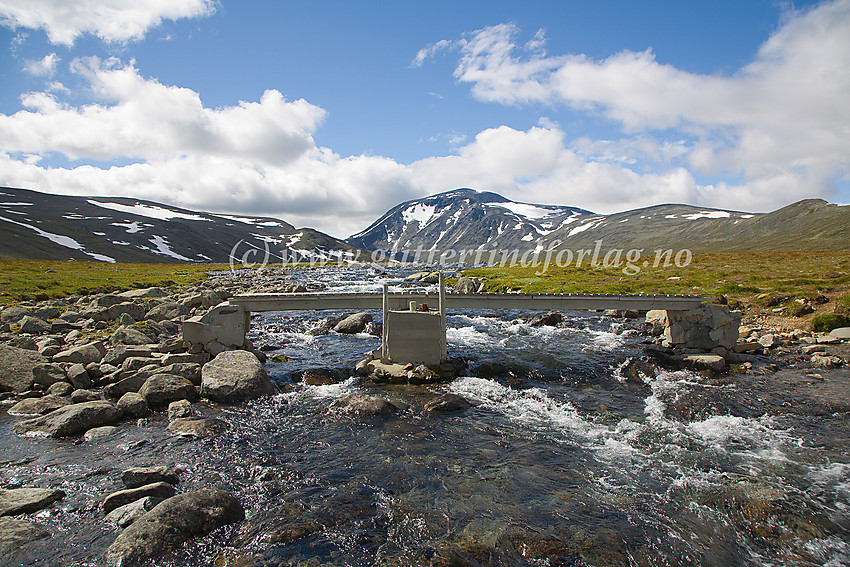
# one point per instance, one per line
(742, 276)
(22, 280)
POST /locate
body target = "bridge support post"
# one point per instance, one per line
(225, 323)
(415, 336)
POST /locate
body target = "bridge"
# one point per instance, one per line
(414, 322)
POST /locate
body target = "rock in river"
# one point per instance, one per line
(16, 365)
(25, 500)
(233, 376)
(72, 419)
(172, 522)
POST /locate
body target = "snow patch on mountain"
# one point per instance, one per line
(147, 211)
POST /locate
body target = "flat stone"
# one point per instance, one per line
(96, 433)
(16, 533)
(136, 477)
(16, 501)
(125, 515)
(34, 325)
(84, 354)
(840, 333)
(38, 406)
(156, 490)
(811, 349)
(712, 362)
(72, 419)
(198, 427)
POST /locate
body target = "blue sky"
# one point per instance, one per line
(326, 114)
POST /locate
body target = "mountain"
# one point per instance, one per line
(54, 227)
(465, 219)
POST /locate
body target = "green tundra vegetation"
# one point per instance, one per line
(22, 280)
(748, 277)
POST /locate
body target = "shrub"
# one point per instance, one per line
(829, 321)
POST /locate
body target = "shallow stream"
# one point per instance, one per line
(561, 462)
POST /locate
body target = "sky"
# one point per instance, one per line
(328, 113)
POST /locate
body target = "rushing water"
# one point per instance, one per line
(561, 462)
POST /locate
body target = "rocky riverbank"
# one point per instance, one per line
(82, 366)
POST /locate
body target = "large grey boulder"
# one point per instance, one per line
(84, 354)
(26, 500)
(16, 368)
(125, 335)
(144, 293)
(166, 311)
(46, 375)
(468, 285)
(34, 325)
(14, 314)
(197, 427)
(72, 419)
(162, 389)
(173, 522)
(134, 405)
(353, 323)
(233, 376)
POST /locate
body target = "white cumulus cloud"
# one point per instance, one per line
(782, 116)
(111, 20)
(44, 67)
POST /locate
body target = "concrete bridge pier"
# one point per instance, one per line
(417, 334)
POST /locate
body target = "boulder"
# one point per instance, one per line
(353, 323)
(468, 285)
(713, 362)
(78, 376)
(155, 490)
(17, 501)
(321, 377)
(173, 522)
(96, 433)
(84, 354)
(34, 325)
(134, 405)
(178, 409)
(119, 353)
(16, 368)
(62, 389)
(364, 405)
(71, 419)
(14, 314)
(134, 363)
(140, 476)
(198, 427)
(191, 371)
(166, 311)
(162, 389)
(131, 383)
(448, 402)
(80, 396)
(233, 376)
(422, 374)
(125, 515)
(549, 319)
(15, 533)
(125, 335)
(38, 406)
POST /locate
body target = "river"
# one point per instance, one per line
(562, 461)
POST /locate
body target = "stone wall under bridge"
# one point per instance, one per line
(705, 327)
